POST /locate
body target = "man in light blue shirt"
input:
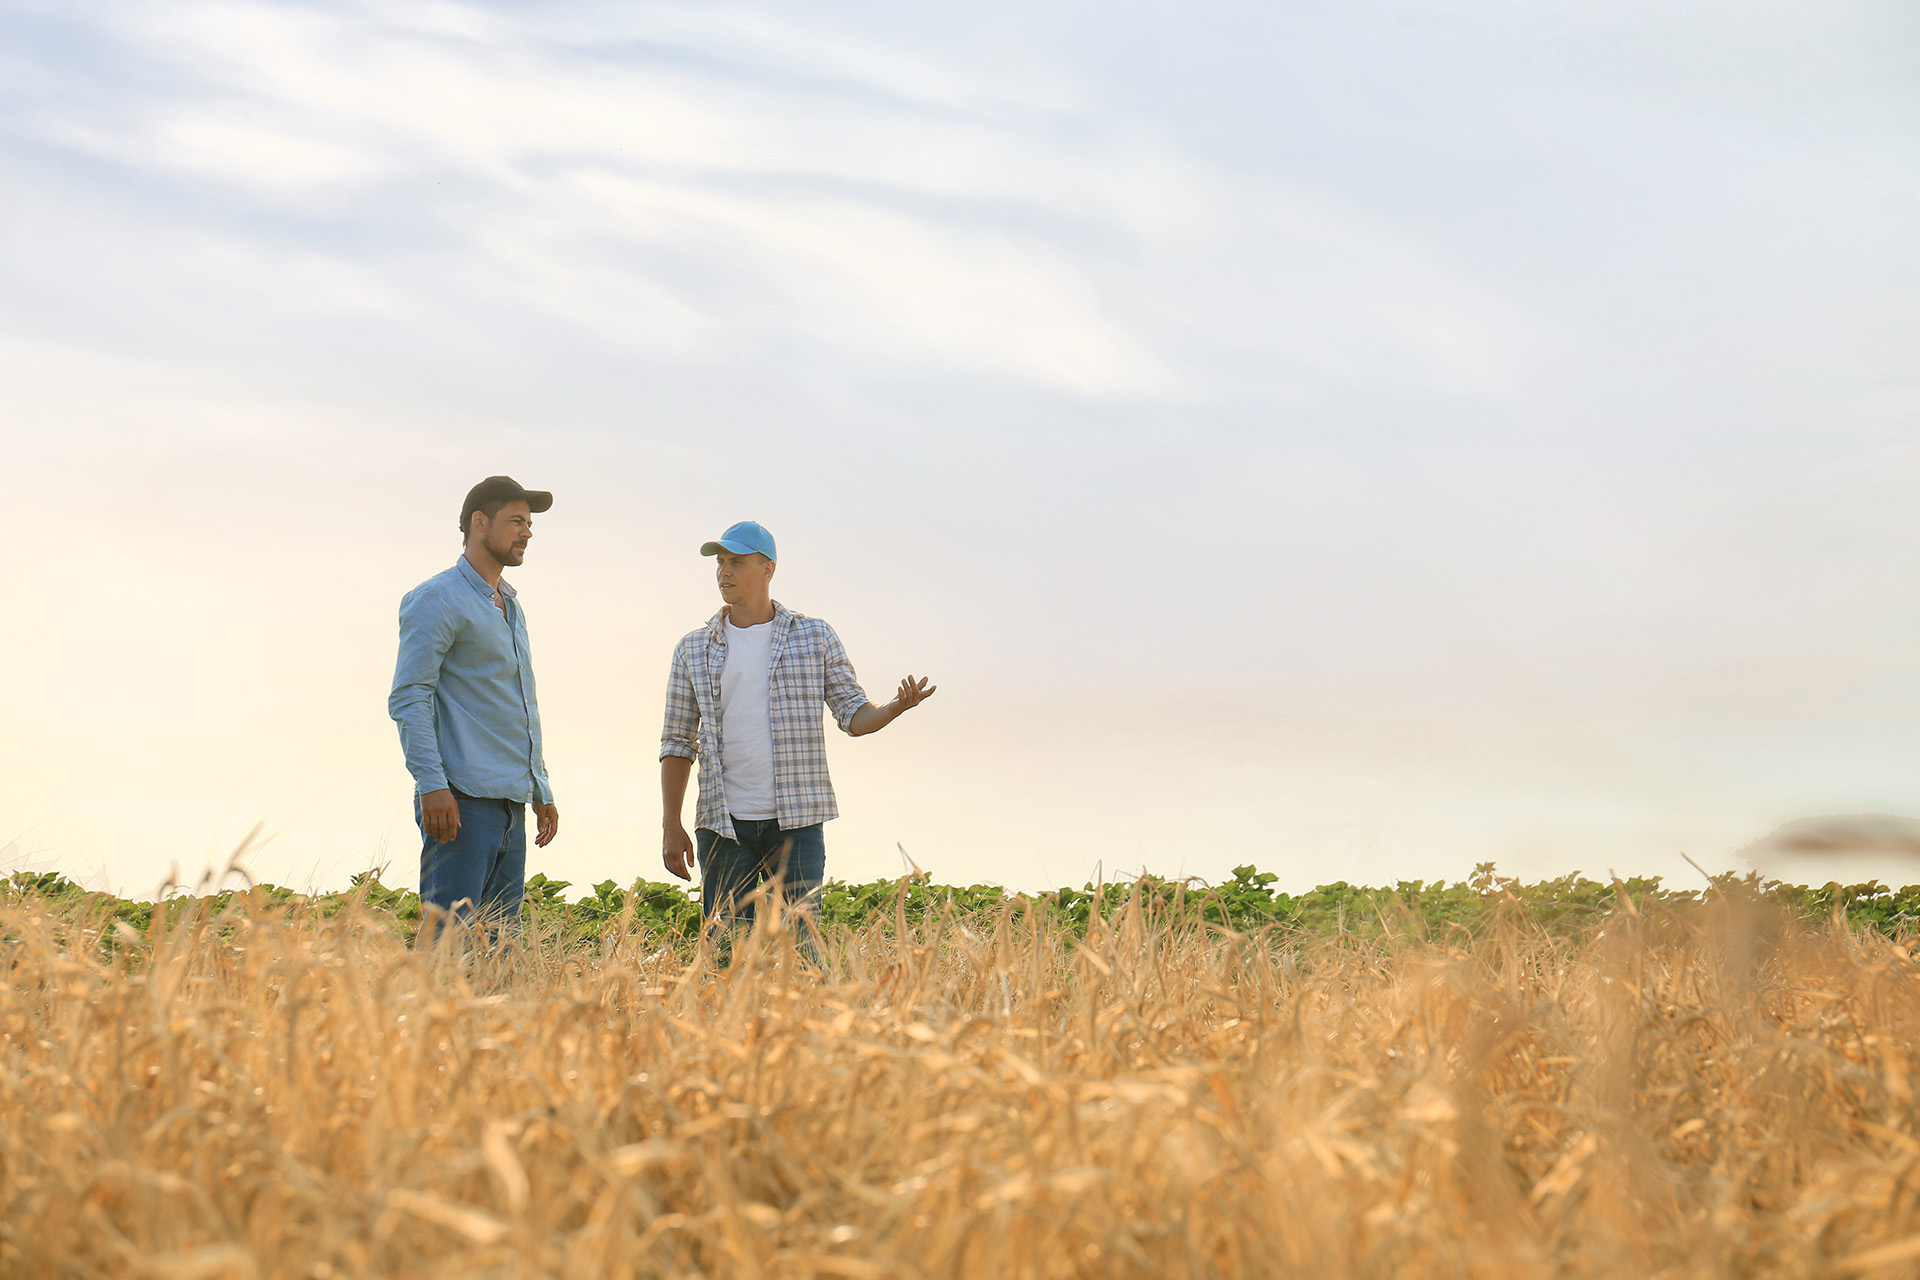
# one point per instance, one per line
(463, 696)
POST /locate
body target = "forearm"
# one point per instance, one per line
(542, 785)
(674, 772)
(872, 719)
(420, 744)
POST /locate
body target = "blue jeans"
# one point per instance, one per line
(731, 869)
(482, 871)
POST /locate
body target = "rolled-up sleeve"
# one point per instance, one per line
(426, 633)
(680, 734)
(844, 696)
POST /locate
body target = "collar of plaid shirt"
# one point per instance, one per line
(782, 620)
(717, 634)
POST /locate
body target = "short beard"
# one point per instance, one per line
(507, 554)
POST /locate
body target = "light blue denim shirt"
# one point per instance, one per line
(463, 691)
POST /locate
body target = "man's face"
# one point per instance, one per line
(741, 576)
(505, 536)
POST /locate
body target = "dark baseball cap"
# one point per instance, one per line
(501, 489)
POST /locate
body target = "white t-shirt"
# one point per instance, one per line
(746, 736)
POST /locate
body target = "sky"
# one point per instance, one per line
(1363, 440)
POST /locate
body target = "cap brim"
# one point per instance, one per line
(538, 500)
(715, 548)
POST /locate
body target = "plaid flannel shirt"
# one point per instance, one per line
(808, 668)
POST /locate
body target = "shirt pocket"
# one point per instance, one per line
(796, 681)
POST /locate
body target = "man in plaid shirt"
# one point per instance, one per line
(744, 698)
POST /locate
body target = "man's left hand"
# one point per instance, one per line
(547, 824)
(913, 692)
(872, 719)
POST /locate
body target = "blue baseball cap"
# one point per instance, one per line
(742, 539)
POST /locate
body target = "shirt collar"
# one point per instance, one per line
(717, 624)
(479, 583)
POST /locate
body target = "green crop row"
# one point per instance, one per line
(1248, 902)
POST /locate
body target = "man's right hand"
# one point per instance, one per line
(440, 815)
(676, 850)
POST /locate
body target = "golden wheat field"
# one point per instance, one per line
(269, 1093)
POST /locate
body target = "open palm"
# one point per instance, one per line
(914, 692)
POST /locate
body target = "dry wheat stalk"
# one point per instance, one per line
(283, 1095)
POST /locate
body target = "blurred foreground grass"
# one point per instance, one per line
(1142, 1080)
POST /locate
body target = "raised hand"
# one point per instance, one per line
(872, 719)
(913, 692)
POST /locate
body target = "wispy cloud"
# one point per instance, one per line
(677, 186)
